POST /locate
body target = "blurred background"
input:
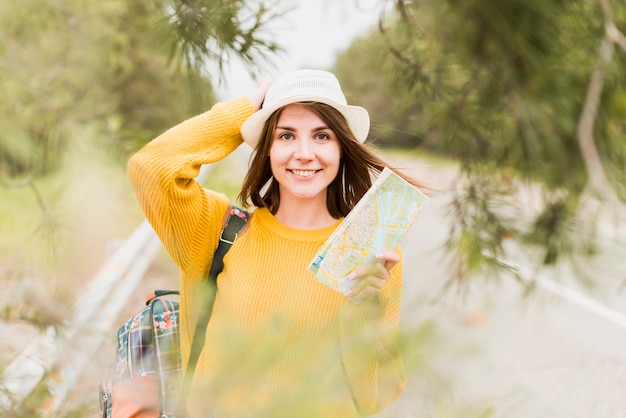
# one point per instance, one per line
(514, 111)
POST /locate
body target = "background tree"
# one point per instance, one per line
(124, 68)
(524, 95)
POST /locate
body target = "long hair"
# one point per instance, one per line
(357, 166)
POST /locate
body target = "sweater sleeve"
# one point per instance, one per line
(162, 173)
(369, 347)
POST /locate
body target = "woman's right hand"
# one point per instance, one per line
(257, 95)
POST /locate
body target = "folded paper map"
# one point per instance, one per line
(376, 223)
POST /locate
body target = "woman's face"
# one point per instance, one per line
(304, 155)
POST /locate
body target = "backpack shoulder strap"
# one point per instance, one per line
(235, 222)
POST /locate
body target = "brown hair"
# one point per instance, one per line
(356, 167)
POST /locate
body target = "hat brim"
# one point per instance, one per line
(357, 118)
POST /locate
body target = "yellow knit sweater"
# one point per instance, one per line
(279, 343)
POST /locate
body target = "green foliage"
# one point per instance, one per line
(132, 69)
(500, 87)
(69, 64)
(480, 224)
(495, 82)
(200, 31)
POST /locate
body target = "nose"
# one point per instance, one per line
(304, 150)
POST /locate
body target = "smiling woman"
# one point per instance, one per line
(304, 159)
(280, 340)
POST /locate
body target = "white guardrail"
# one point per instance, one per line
(57, 356)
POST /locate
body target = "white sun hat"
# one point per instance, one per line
(305, 86)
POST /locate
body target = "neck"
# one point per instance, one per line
(306, 215)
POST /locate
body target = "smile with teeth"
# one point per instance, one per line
(303, 173)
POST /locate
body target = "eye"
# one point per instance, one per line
(286, 136)
(322, 136)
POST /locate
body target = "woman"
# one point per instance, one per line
(279, 343)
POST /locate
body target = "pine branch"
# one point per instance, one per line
(394, 51)
(50, 223)
(30, 183)
(407, 56)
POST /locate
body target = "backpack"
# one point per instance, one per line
(146, 376)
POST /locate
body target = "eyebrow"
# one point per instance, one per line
(289, 128)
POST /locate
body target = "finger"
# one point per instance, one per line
(368, 281)
(364, 294)
(371, 278)
(368, 285)
(389, 258)
(377, 270)
(372, 267)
